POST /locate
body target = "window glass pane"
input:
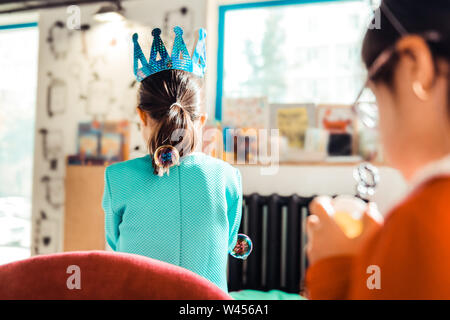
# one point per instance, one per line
(296, 53)
(18, 65)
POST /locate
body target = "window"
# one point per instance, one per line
(291, 51)
(18, 65)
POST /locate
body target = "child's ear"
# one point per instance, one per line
(142, 115)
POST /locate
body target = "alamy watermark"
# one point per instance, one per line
(237, 146)
(73, 21)
(375, 22)
(74, 280)
(374, 280)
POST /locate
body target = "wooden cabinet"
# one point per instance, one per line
(84, 217)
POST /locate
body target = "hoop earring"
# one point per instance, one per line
(420, 91)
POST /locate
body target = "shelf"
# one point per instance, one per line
(316, 163)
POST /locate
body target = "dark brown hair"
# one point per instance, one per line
(417, 17)
(172, 98)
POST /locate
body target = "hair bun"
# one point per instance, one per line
(165, 157)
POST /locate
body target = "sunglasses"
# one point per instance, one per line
(365, 109)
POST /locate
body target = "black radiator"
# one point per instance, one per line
(276, 226)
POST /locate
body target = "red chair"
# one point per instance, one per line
(103, 275)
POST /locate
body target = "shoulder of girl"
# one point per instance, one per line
(228, 169)
(213, 160)
(432, 198)
(124, 167)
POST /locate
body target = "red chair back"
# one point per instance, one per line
(102, 275)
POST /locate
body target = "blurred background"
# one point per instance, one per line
(68, 99)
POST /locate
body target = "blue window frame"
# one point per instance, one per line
(223, 10)
(19, 26)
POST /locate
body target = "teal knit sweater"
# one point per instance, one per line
(188, 218)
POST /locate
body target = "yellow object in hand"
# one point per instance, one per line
(352, 227)
(348, 212)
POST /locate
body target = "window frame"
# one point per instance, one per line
(15, 26)
(19, 26)
(223, 9)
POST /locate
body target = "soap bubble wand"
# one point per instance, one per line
(367, 178)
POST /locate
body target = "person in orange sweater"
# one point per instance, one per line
(408, 255)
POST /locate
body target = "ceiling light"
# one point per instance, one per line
(110, 13)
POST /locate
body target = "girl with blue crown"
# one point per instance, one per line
(191, 216)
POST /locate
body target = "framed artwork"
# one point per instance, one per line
(341, 124)
(111, 146)
(246, 113)
(336, 118)
(114, 141)
(107, 141)
(88, 140)
(293, 121)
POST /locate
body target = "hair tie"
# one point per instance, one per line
(165, 157)
(176, 104)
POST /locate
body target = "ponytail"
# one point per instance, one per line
(172, 138)
(172, 99)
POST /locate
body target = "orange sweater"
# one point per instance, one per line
(412, 250)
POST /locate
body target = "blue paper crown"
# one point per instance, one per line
(179, 59)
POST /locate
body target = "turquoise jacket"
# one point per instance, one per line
(188, 218)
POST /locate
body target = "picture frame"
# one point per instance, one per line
(293, 121)
(249, 112)
(342, 125)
